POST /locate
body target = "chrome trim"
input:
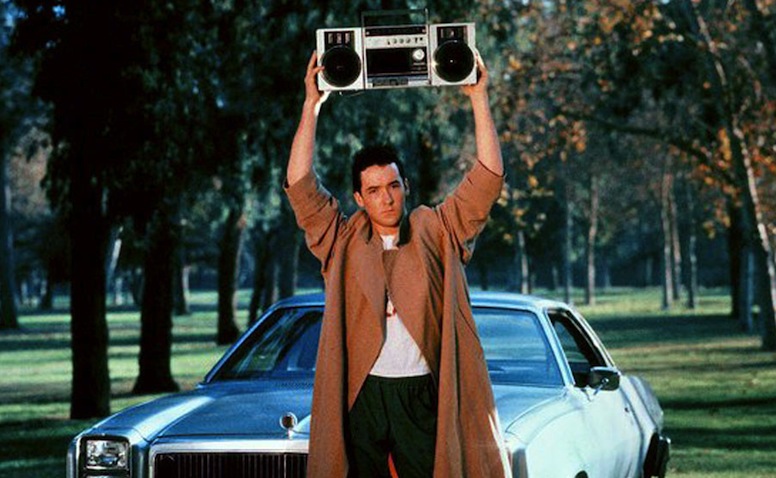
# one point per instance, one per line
(224, 446)
(555, 345)
(288, 422)
(135, 462)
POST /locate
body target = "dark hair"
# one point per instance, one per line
(377, 155)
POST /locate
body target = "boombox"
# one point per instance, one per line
(396, 56)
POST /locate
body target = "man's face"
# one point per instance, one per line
(382, 197)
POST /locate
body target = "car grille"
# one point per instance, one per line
(230, 465)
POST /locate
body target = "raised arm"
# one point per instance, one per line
(465, 211)
(488, 148)
(300, 161)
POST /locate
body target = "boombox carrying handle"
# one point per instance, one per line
(376, 18)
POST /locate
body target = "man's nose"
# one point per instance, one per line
(387, 196)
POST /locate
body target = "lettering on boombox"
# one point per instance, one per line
(396, 56)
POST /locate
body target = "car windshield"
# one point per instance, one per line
(285, 345)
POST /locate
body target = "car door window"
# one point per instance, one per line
(580, 353)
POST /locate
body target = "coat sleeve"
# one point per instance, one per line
(317, 214)
(465, 211)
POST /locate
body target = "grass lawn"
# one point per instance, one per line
(717, 387)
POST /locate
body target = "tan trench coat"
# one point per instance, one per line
(427, 284)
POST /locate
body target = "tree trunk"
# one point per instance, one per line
(754, 228)
(735, 241)
(745, 298)
(290, 242)
(567, 231)
(590, 242)
(181, 285)
(89, 231)
(180, 298)
(554, 280)
(751, 217)
(136, 286)
(606, 280)
(676, 254)
(649, 270)
(691, 268)
(9, 316)
(112, 259)
(665, 229)
(767, 298)
(155, 374)
(271, 294)
(646, 241)
(522, 277)
(228, 267)
(690, 255)
(47, 293)
(261, 261)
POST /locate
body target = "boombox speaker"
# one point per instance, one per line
(453, 62)
(396, 56)
(340, 52)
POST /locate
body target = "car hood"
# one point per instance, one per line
(515, 401)
(253, 410)
(226, 409)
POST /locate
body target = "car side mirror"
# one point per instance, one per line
(604, 378)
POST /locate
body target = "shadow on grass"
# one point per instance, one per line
(40, 339)
(64, 310)
(36, 448)
(643, 330)
(748, 438)
(724, 424)
(766, 403)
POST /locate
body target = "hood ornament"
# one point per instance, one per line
(288, 421)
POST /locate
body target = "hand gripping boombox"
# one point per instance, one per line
(398, 55)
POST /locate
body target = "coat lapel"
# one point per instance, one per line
(370, 275)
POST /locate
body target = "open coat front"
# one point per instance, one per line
(427, 284)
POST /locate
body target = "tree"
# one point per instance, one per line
(8, 308)
(730, 110)
(17, 109)
(643, 57)
(125, 143)
(68, 41)
(181, 100)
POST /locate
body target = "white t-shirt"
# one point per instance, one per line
(400, 355)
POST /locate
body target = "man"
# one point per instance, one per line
(400, 370)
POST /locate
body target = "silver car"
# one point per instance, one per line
(565, 409)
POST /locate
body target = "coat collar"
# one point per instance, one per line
(404, 230)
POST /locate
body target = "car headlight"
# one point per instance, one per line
(106, 455)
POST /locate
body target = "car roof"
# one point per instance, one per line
(478, 299)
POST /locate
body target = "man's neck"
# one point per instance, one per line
(385, 231)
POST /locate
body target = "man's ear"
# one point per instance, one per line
(406, 186)
(359, 199)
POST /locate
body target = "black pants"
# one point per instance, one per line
(396, 416)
